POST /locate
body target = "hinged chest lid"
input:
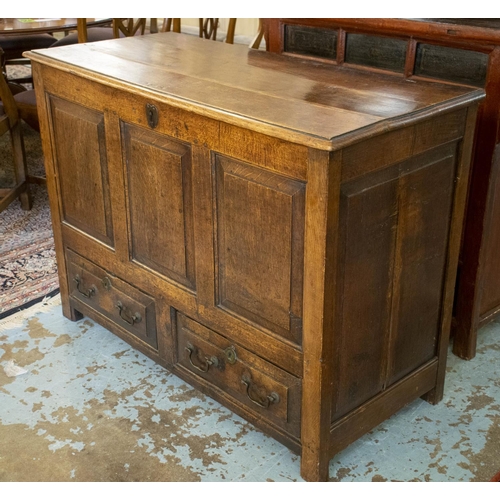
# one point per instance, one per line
(307, 102)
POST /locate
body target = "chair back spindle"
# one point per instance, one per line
(128, 26)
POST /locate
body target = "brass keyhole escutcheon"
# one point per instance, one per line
(230, 353)
(152, 115)
(106, 283)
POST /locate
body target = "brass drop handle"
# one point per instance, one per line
(126, 316)
(205, 364)
(88, 294)
(259, 401)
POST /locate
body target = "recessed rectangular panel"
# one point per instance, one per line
(368, 234)
(260, 246)
(160, 203)
(425, 203)
(307, 41)
(82, 169)
(394, 236)
(452, 64)
(376, 51)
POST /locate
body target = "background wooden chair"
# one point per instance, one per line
(121, 27)
(170, 24)
(258, 37)
(13, 47)
(10, 123)
(16, 104)
(207, 27)
(128, 27)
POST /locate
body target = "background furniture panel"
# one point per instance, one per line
(490, 297)
(311, 41)
(465, 51)
(376, 51)
(448, 63)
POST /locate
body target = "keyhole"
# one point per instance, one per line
(152, 115)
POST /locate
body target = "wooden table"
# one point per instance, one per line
(14, 26)
(281, 234)
(465, 51)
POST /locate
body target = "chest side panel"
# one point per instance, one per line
(394, 241)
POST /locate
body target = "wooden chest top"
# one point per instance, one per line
(306, 102)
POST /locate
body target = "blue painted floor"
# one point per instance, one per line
(91, 408)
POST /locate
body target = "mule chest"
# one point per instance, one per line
(282, 234)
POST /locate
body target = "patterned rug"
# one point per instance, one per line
(28, 270)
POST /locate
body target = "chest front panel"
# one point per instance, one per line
(160, 204)
(81, 162)
(260, 246)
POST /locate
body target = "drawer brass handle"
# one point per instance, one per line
(126, 316)
(260, 401)
(88, 294)
(206, 364)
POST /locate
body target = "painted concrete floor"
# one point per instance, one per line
(91, 408)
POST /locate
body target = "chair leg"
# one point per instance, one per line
(231, 28)
(258, 37)
(20, 169)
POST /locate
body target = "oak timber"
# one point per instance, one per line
(292, 225)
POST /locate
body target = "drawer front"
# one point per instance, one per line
(256, 384)
(124, 304)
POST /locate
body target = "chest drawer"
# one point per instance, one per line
(122, 303)
(258, 385)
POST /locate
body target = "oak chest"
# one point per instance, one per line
(281, 234)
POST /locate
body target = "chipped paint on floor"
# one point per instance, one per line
(91, 408)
